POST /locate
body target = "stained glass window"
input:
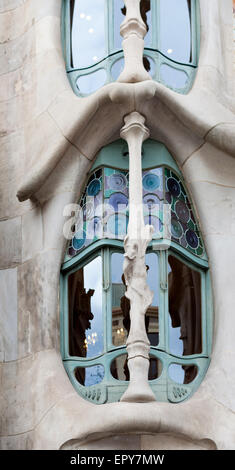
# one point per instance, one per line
(104, 206)
(95, 310)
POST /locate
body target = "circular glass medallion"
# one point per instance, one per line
(182, 211)
(79, 240)
(151, 182)
(192, 239)
(118, 199)
(117, 182)
(176, 229)
(173, 186)
(94, 187)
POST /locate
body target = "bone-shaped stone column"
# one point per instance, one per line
(135, 245)
(133, 31)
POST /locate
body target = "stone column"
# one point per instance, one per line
(135, 245)
(133, 31)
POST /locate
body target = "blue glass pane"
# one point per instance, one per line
(89, 376)
(184, 290)
(151, 317)
(176, 373)
(173, 77)
(117, 68)
(120, 304)
(175, 29)
(85, 310)
(146, 13)
(182, 374)
(119, 16)
(88, 32)
(91, 82)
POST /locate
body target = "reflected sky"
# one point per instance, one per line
(175, 29)
(119, 17)
(88, 32)
(151, 260)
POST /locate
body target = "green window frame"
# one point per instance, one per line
(165, 387)
(178, 75)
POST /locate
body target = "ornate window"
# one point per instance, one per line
(93, 44)
(94, 309)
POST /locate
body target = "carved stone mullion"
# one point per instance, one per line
(135, 245)
(133, 31)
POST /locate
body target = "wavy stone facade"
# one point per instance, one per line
(49, 138)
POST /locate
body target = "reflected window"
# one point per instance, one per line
(85, 310)
(146, 15)
(151, 316)
(120, 303)
(185, 314)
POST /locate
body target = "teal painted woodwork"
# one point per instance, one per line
(164, 55)
(168, 385)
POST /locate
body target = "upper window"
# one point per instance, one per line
(93, 45)
(95, 318)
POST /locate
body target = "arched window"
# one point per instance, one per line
(94, 310)
(93, 45)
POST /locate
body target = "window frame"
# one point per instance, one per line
(164, 388)
(114, 54)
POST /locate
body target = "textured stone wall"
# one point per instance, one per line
(234, 31)
(48, 139)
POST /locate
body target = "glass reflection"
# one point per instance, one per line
(87, 32)
(184, 312)
(91, 82)
(89, 376)
(173, 77)
(119, 15)
(149, 65)
(146, 14)
(120, 304)
(180, 375)
(85, 310)
(117, 68)
(119, 368)
(155, 368)
(151, 317)
(175, 29)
